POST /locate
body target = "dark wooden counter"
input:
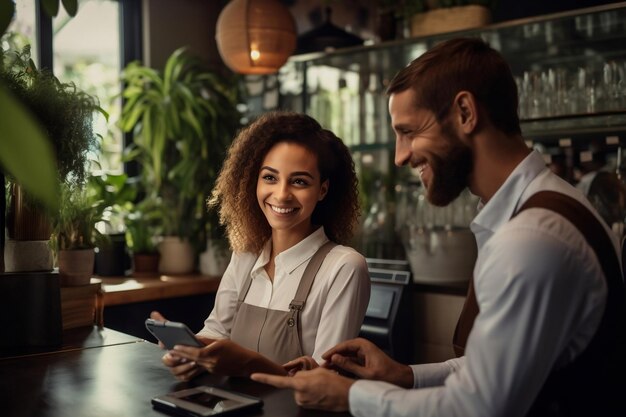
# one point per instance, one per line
(114, 380)
(86, 337)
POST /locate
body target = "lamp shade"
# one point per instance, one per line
(255, 36)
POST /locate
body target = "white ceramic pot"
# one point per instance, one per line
(214, 260)
(27, 255)
(439, 256)
(176, 256)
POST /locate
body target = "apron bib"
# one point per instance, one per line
(276, 334)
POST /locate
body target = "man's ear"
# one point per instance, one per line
(466, 111)
(323, 190)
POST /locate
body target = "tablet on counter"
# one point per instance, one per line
(204, 401)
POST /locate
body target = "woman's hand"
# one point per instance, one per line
(182, 368)
(303, 363)
(225, 357)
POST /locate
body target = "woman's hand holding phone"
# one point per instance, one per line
(225, 357)
(182, 368)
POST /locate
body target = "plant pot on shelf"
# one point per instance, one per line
(215, 259)
(146, 264)
(28, 230)
(26, 220)
(76, 266)
(112, 257)
(177, 256)
(449, 19)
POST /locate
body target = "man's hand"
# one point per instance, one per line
(319, 388)
(303, 363)
(225, 357)
(363, 359)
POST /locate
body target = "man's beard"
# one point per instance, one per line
(450, 171)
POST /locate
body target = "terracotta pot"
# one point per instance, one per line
(76, 267)
(146, 264)
(177, 256)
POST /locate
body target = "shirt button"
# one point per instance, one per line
(291, 322)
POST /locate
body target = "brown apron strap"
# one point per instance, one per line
(589, 227)
(309, 276)
(246, 287)
(305, 283)
(466, 321)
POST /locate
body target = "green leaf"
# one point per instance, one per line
(7, 9)
(51, 7)
(71, 7)
(174, 66)
(129, 120)
(25, 152)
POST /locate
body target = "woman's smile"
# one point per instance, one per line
(282, 210)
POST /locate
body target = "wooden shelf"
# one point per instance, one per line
(126, 290)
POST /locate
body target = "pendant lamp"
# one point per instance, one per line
(326, 37)
(255, 36)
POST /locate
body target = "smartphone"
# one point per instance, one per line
(172, 333)
(205, 401)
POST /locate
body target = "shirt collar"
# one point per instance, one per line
(293, 257)
(501, 207)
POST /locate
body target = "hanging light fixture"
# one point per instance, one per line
(255, 36)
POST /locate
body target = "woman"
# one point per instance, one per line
(287, 195)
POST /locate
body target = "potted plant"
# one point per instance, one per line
(141, 232)
(66, 115)
(74, 234)
(24, 151)
(183, 119)
(114, 194)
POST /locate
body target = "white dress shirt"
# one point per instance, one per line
(541, 293)
(334, 309)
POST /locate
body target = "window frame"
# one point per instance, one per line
(131, 49)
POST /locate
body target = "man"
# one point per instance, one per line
(539, 287)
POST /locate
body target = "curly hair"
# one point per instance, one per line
(235, 190)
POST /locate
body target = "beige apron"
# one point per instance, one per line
(273, 333)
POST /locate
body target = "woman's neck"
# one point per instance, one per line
(285, 239)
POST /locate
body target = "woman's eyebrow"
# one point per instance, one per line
(304, 173)
(293, 174)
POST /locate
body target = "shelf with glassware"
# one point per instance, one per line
(570, 69)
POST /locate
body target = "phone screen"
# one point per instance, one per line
(172, 333)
